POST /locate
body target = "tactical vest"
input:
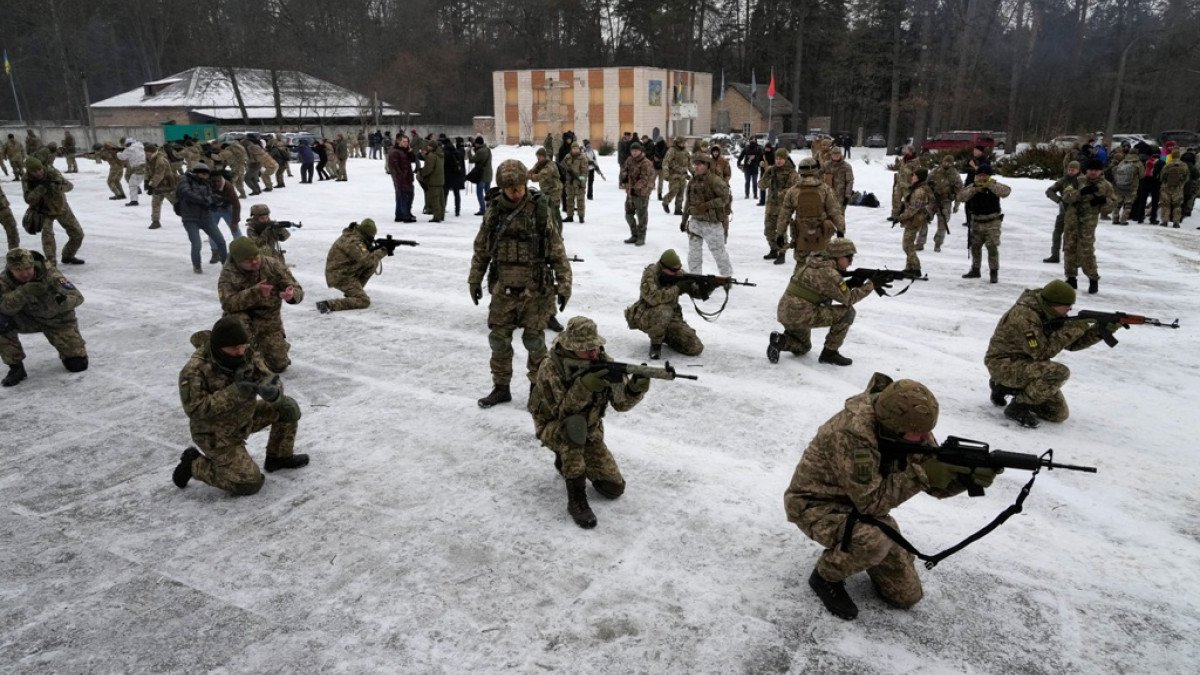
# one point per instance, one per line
(1125, 176)
(519, 247)
(984, 204)
(809, 203)
(1174, 175)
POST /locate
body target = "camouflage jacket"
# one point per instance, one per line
(267, 235)
(162, 177)
(818, 280)
(235, 156)
(576, 167)
(720, 166)
(653, 292)
(945, 183)
(818, 214)
(191, 154)
(1089, 207)
(776, 182)
(214, 406)
(340, 149)
(1128, 173)
(973, 189)
(904, 169)
(238, 291)
(677, 163)
(108, 154)
(545, 172)
(350, 257)
(1028, 332)
(839, 176)
(918, 207)
(560, 394)
(521, 246)
(49, 298)
(1054, 192)
(1174, 176)
(14, 152)
(47, 195)
(32, 143)
(640, 175)
(840, 468)
(707, 198)
(68, 143)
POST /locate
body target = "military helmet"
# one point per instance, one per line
(260, 210)
(580, 335)
(702, 158)
(679, 141)
(839, 248)
(906, 406)
(18, 258)
(541, 152)
(807, 165)
(150, 147)
(511, 173)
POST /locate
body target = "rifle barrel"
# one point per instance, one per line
(1070, 467)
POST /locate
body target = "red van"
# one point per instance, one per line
(955, 140)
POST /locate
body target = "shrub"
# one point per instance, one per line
(1033, 163)
(606, 148)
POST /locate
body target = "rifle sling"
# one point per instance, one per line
(712, 316)
(902, 291)
(931, 561)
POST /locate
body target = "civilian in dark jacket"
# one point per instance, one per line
(196, 203)
(748, 161)
(1148, 188)
(455, 174)
(307, 157)
(657, 153)
(481, 161)
(400, 161)
(322, 160)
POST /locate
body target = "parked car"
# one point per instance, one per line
(876, 141)
(1065, 142)
(1182, 138)
(1001, 138)
(292, 141)
(232, 136)
(949, 141)
(1133, 139)
(790, 141)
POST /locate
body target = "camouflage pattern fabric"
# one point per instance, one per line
(1127, 177)
(639, 176)
(576, 188)
(817, 276)
(36, 309)
(163, 180)
(238, 292)
(776, 181)
(985, 230)
(1079, 231)
(15, 154)
(658, 314)
(1174, 178)
(915, 211)
(1054, 193)
(268, 237)
(9, 222)
(236, 158)
(676, 165)
(47, 197)
(545, 172)
(839, 176)
(817, 216)
(348, 268)
(900, 182)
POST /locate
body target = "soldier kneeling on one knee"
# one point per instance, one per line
(36, 298)
(657, 311)
(349, 266)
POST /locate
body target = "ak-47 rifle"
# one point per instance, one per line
(391, 244)
(283, 224)
(882, 279)
(1105, 319)
(575, 258)
(702, 285)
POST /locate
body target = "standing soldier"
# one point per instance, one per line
(568, 403)
(1054, 193)
(350, 265)
(134, 157)
(220, 386)
(657, 312)
(116, 168)
(163, 181)
(808, 303)
(839, 176)
(639, 175)
(46, 194)
(982, 198)
(32, 142)
(253, 167)
(545, 172)
(721, 164)
(915, 212)
(905, 165)
(69, 149)
(253, 288)
(9, 222)
(576, 166)
(280, 154)
(267, 232)
(818, 215)
(36, 298)
(852, 467)
(1087, 200)
(1018, 356)
(521, 253)
(191, 154)
(433, 178)
(1189, 190)
(1172, 180)
(945, 183)
(236, 158)
(16, 157)
(47, 153)
(676, 166)
(704, 219)
(776, 182)
(343, 156)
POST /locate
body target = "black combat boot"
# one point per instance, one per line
(277, 463)
(678, 211)
(558, 463)
(781, 258)
(16, 373)
(771, 256)
(631, 240)
(833, 595)
(577, 503)
(1051, 259)
(569, 219)
(1000, 393)
(75, 364)
(1094, 286)
(973, 274)
(994, 276)
(655, 351)
(323, 307)
(773, 346)
(183, 472)
(554, 325)
(1072, 282)
(666, 208)
(832, 356)
(154, 225)
(72, 260)
(1021, 414)
(500, 394)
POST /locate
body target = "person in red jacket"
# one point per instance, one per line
(401, 160)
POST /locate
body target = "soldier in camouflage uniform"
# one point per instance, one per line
(36, 298)
(69, 150)
(676, 165)
(32, 142)
(191, 154)
(1054, 193)
(107, 152)
(228, 393)
(1126, 178)
(432, 176)
(45, 193)
(47, 153)
(777, 180)
(1018, 356)
(163, 181)
(639, 176)
(9, 222)
(576, 166)
(866, 460)
(267, 232)
(1193, 184)
(905, 165)
(915, 211)
(808, 303)
(817, 211)
(1087, 199)
(839, 176)
(253, 288)
(350, 265)
(657, 312)
(982, 198)
(1172, 180)
(15, 154)
(236, 158)
(945, 183)
(568, 405)
(521, 254)
(545, 172)
(705, 220)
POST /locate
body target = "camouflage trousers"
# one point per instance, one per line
(678, 186)
(985, 234)
(279, 173)
(528, 311)
(267, 336)
(10, 227)
(352, 288)
(1123, 207)
(592, 460)
(636, 216)
(944, 212)
(1189, 199)
(62, 335)
(554, 199)
(800, 316)
(771, 229)
(72, 166)
(899, 192)
(1079, 247)
(891, 568)
(239, 179)
(913, 232)
(156, 204)
(665, 325)
(1040, 384)
(227, 465)
(1170, 206)
(115, 173)
(576, 199)
(74, 236)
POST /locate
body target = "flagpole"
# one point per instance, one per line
(12, 80)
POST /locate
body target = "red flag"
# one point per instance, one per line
(771, 87)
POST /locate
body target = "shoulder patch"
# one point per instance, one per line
(864, 466)
(843, 287)
(1031, 339)
(67, 285)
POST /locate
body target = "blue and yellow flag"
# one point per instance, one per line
(7, 64)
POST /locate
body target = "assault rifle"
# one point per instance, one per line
(616, 371)
(882, 279)
(391, 244)
(575, 258)
(596, 167)
(286, 224)
(702, 285)
(976, 455)
(1105, 319)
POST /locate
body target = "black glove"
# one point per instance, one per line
(245, 389)
(686, 286)
(268, 392)
(476, 293)
(841, 235)
(1089, 190)
(1098, 201)
(780, 241)
(562, 301)
(855, 281)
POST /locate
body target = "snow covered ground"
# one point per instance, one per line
(429, 535)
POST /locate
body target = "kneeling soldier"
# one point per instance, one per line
(36, 298)
(253, 288)
(219, 388)
(349, 266)
(657, 311)
(568, 403)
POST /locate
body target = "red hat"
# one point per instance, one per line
(1171, 144)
